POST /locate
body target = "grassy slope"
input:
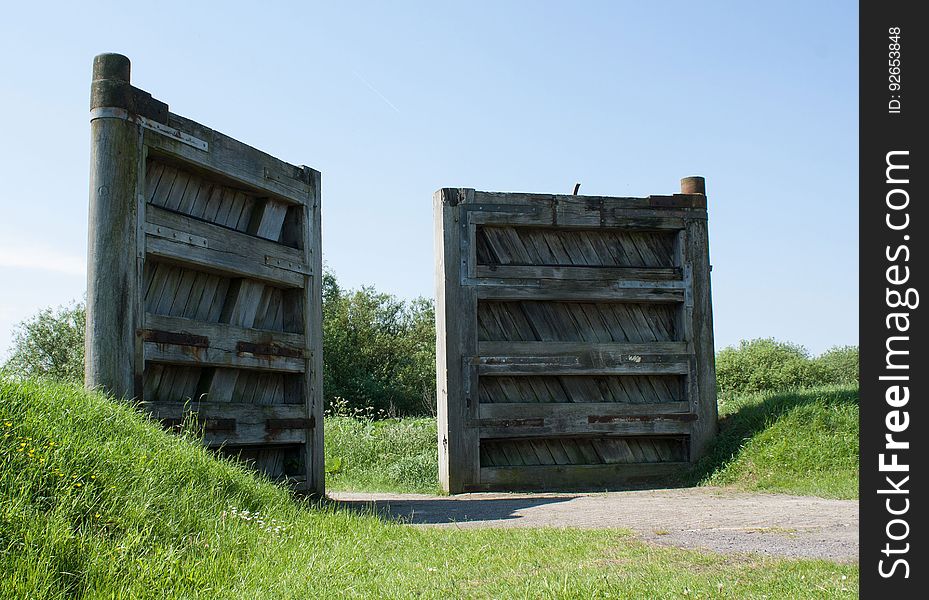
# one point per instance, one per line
(97, 502)
(801, 442)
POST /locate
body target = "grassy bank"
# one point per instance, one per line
(97, 502)
(800, 442)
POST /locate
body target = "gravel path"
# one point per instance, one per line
(715, 519)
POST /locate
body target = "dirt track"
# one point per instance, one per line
(713, 519)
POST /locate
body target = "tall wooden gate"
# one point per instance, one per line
(204, 280)
(575, 338)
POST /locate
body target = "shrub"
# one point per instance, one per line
(838, 365)
(378, 350)
(761, 365)
(767, 365)
(50, 344)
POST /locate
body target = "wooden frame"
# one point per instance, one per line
(574, 338)
(204, 292)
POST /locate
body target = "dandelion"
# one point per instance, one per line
(7, 423)
(78, 484)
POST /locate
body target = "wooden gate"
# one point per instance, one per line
(575, 338)
(204, 280)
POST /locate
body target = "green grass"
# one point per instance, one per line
(799, 442)
(393, 455)
(97, 502)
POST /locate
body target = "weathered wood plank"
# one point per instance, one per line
(226, 336)
(607, 274)
(581, 203)
(224, 238)
(574, 477)
(189, 355)
(232, 423)
(232, 160)
(581, 366)
(583, 410)
(610, 349)
(223, 259)
(565, 427)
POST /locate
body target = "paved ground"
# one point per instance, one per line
(713, 519)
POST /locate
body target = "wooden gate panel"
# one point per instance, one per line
(224, 295)
(574, 343)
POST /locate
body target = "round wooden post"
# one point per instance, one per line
(113, 299)
(693, 185)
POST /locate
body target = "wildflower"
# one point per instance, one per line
(78, 484)
(7, 424)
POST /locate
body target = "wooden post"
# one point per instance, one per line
(114, 311)
(456, 342)
(698, 256)
(315, 450)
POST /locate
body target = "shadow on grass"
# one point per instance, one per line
(750, 419)
(446, 510)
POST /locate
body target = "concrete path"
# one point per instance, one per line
(715, 519)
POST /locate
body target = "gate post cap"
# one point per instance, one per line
(111, 66)
(693, 185)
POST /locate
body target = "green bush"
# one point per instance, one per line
(50, 344)
(378, 350)
(767, 365)
(838, 365)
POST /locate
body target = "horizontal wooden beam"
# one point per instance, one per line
(582, 359)
(221, 238)
(233, 160)
(569, 221)
(581, 203)
(607, 274)
(234, 423)
(574, 425)
(612, 351)
(579, 410)
(580, 291)
(573, 477)
(195, 356)
(229, 337)
(221, 260)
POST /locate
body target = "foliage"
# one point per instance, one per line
(767, 365)
(98, 502)
(838, 365)
(50, 344)
(378, 350)
(800, 442)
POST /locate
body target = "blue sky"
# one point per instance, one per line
(393, 101)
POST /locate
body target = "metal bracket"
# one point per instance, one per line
(109, 112)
